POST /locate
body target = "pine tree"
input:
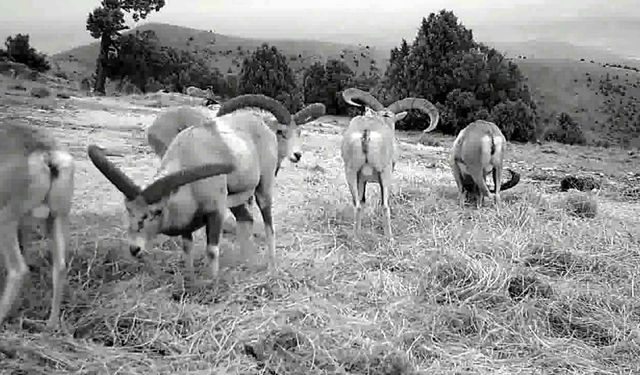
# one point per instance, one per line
(266, 72)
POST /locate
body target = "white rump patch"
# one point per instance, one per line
(41, 212)
(375, 136)
(62, 159)
(366, 170)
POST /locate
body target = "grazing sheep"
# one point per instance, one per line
(369, 148)
(223, 163)
(477, 151)
(36, 180)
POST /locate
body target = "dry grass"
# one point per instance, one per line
(534, 290)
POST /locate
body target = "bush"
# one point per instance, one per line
(147, 65)
(515, 119)
(325, 83)
(40, 92)
(566, 131)
(19, 50)
(446, 66)
(266, 72)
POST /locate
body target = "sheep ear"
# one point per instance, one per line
(401, 115)
(369, 112)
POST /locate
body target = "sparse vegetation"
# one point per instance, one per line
(467, 79)
(266, 72)
(19, 50)
(566, 130)
(106, 23)
(324, 84)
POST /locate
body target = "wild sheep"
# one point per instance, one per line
(36, 180)
(369, 148)
(477, 151)
(199, 93)
(205, 94)
(172, 121)
(221, 164)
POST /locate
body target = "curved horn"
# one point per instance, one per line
(120, 180)
(309, 113)
(256, 100)
(423, 105)
(164, 185)
(361, 98)
(513, 181)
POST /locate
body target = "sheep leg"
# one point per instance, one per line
(483, 190)
(352, 181)
(457, 174)
(497, 180)
(244, 229)
(16, 266)
(58, 226)
(385, 184)
(214, 232)
(187, 252)
(264, 201)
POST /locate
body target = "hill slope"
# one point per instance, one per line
(602, 98)
(226, 53)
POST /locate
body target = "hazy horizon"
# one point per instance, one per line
(58, 25)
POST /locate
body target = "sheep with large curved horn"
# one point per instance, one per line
(243, 139)
(188, 167)
(369, 146)
(422, 105)
(477, 151)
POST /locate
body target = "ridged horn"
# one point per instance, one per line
(116, 176)
(423, 105)
(513, 181)
(357, 97)
(165, 185)
(309, 113)
(256, 100)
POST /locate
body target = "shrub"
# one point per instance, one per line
(19, 50)
(567, 131)
(266, 72)
(325, 83)
(446, 66)
(516, 119)
(40, 92)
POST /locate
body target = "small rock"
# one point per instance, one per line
(585, 183)
(40, 92)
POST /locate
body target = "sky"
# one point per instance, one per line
(56, 25)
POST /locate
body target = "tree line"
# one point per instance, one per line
(465, 79)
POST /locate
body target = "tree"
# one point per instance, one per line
(515, 119)
(266, 72)
(446, 66)
(141, 61)
(19, 50)
(567, 131)
(325, 83)
(107, 21)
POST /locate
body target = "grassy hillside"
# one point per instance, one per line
(227, 52)
(536, 289)
(607, 108)
(602, 98)
(546, 49)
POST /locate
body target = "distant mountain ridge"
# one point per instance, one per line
(226, 52)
